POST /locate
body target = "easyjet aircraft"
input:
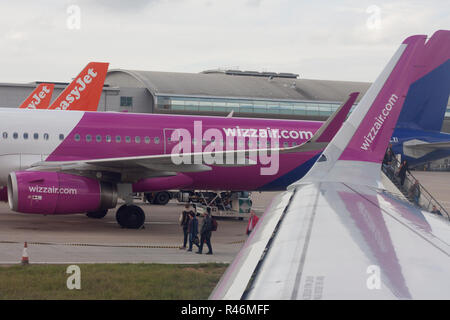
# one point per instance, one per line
(39, 98)
(336, 233)
(84, 92)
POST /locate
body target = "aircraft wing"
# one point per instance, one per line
(419, 145)
(176, 162)
(341, 241)
(434, 145)
(154, 165)
(417, 148)
(335, 234)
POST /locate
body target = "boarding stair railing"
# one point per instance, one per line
(415, 192)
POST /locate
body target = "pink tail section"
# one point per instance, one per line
(39, 98)
(85, 90)
(420, 57)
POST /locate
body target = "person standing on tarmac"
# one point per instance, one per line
(184, 222)
(205, 232)
(192, 230)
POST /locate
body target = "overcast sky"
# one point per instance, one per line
(336, 40)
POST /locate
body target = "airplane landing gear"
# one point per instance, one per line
(130, 216)
(161, 197)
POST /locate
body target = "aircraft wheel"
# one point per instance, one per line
(162, 198)
(130, 217)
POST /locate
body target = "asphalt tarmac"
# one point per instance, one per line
(438, 184)
(72, 239)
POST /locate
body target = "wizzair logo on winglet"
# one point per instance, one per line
(378, 124)
(80, 85)
(38, 97)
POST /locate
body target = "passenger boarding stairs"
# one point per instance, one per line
(422, 199)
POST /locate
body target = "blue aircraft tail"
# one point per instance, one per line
(426, 101)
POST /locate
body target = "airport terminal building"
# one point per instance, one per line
(213, 92)
(248, 94)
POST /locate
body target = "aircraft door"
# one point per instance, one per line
(168, 143)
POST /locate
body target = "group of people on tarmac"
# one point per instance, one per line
(190, 225)
(189, 222)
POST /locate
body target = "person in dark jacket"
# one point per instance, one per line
(184, 222)
(205, 232)
(389, 163)
(402, 172)
(387, 157)
(192, 230)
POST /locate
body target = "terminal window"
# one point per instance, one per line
(225, 105)
(126, 101)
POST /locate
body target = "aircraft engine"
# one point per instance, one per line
(58, 193)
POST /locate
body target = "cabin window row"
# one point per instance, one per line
(117, 139)
(157, 140)
(28, 136)
(127, 139)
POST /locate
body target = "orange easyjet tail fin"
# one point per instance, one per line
(85, 90)
(39, 98)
